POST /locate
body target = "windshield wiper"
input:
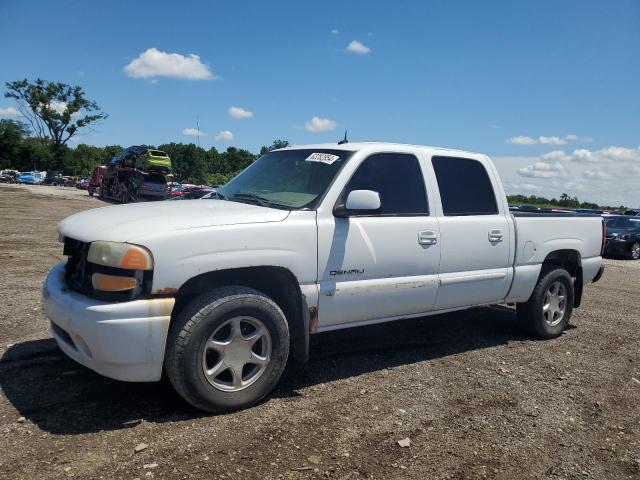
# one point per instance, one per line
(263, 202)
(220, 195)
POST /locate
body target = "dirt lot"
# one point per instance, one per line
(475, 398)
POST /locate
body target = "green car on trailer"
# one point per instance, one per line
(136, 173)
(143, 158)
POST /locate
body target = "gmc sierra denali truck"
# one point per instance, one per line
(221, 292)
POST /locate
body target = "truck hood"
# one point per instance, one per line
(123, 223)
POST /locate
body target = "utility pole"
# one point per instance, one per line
(198, 129)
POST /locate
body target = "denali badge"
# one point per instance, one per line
(353, 271)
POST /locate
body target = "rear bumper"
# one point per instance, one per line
(125, 341)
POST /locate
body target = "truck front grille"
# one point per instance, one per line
(76, 274)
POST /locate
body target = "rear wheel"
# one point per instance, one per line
(634, 252)
(227, 349)
(547, 312)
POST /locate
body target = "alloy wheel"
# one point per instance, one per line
(236, 354)
(554, 304)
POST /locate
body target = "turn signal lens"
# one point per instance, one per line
(120, 255)
(112, 283)
(135, 259)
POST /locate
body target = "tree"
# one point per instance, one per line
(32, 154)
(233, 160)
(275, 146)
(189, 161)
(55, 111)
(12, 134)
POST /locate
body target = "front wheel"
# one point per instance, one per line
(634, 252)
(227, 349)
(547, 312)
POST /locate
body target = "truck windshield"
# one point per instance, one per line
(291, 179)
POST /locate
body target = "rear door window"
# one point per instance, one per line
(465, 187)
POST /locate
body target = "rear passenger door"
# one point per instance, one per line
(475, 235)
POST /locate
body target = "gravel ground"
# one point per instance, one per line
(474, 397)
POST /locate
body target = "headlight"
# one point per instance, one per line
(626, 236)
(120, 255)
(127, 266)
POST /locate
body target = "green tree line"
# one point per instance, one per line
(193, 164)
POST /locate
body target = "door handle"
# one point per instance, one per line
(495, 235)
(427, 237)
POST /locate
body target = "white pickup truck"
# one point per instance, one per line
(221, 292)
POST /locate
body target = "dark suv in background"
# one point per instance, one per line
(623, 236)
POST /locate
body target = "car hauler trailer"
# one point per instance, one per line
(138, 172)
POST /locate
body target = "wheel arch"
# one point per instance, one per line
(279, 283)
(571, 261)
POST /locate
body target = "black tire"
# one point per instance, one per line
(530, 313)
(193, 326)
(90, 193)
(634, 251)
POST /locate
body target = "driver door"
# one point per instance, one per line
(383, 265)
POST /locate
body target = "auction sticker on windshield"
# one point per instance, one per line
(322, 158)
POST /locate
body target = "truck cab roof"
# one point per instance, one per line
(377, 146)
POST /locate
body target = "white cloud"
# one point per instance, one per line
(10, 112)
(224, 135)
(193, 132)
(239, 112)
(335, 31)
(519, 187)
(576, 186)
(608, 176)
(547, 140)
(58, 107)
(317, 124)
(551, 140)
(596, 175)
(609, 154)
(618, 154)
(155, 63)
(358, 48)
(555, 156)
(61, 107)
(543, 170)
(522, 140)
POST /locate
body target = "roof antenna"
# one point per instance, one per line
(344, 140)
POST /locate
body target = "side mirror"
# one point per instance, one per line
(359, 202)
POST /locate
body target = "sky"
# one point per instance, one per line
(549, 89)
